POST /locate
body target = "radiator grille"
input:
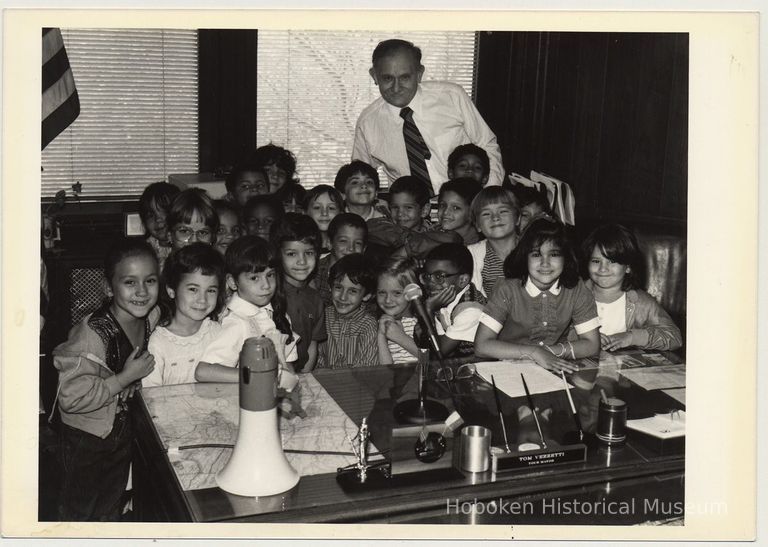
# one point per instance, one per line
(86, 292)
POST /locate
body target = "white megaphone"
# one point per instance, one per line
(258, 466)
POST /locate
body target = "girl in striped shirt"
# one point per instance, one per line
(396, 324)
(495, 213)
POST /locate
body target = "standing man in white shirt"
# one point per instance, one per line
(413, 127)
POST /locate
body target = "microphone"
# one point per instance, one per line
(413, 293)
(422, 410)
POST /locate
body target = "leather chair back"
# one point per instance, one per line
(666, 270)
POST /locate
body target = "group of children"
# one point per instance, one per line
(323, 273)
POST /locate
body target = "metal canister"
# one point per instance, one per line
(475, 448)
(612, 421)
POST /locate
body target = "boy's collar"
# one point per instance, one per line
(240, 306)
(367, 216)
(460, 294)
(534, 291)
(353, 314)
(290, 286)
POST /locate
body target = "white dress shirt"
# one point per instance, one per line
(446, 118)
(243, 320)
(463, 325)
(176, 357)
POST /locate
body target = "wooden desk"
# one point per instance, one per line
(638, 471)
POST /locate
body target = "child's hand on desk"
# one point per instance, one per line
(547, 360)
(611, 342)
(286, 379)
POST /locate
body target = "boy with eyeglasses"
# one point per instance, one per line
(192, 217)
(452, 298)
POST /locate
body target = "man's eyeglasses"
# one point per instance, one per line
(436, 277)
(185, 234)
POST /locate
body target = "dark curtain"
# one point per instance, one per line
(605, 112)
(227, 96)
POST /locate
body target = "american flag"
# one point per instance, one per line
(61, 105)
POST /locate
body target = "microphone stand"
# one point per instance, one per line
(422, 410)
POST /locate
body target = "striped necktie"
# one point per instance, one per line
(415, 147)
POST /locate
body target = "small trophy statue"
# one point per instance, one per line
(360, 468)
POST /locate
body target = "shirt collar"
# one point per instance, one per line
(458, 297)
(293, 289)
(245, 308)
(366, 217)
(534, 291)
(354, 316)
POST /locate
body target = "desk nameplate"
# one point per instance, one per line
(557, 455)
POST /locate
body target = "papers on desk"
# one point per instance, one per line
(663, 377)
(507, 377)
(663, 426)
(678, 394)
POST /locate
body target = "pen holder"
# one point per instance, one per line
(612, 421)
(475, 448)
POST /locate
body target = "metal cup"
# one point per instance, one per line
(612, 421)
(475, 448)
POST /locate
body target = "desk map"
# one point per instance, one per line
(193, 414)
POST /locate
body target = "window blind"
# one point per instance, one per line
(312, 86)
(138, 112)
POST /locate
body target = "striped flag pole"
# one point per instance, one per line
(61, 105)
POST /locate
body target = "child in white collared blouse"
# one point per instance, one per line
(194, 295)
(257, 308)
(529, 313)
